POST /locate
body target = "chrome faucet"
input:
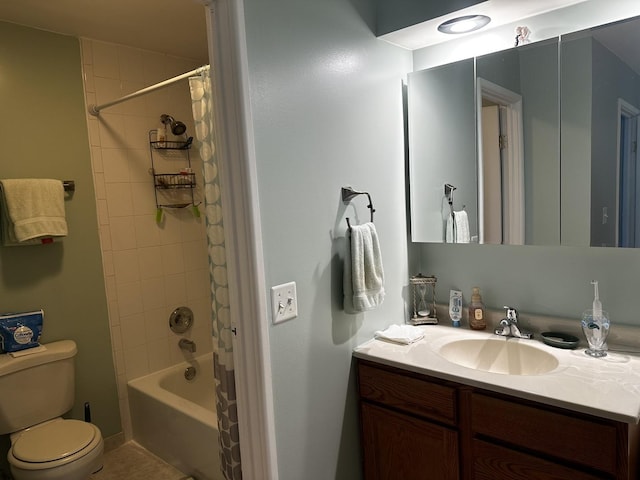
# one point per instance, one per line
(188, 345)
(509, 326)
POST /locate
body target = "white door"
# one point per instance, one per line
(628, 183)
(491, 175)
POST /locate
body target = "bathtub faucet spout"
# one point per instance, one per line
(186, 344)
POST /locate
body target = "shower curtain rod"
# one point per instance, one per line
(95, 109)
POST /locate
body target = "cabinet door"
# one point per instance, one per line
(491, 462)
(398, 446)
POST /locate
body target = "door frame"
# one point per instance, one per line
(513, 166)
(243, 237)
(625, 109)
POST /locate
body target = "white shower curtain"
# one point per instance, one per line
(202, 106)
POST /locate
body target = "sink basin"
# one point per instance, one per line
(499, 355)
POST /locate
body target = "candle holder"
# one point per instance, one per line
(424, 299)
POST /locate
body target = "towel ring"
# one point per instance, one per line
(348, 193)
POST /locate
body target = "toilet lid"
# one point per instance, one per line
(53, 441)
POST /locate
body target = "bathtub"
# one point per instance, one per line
(175, 418)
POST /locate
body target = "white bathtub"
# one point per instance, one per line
(175, 418)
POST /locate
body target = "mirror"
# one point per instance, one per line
(600, 107)
(565, 179)
(519, 145)
(442, 149)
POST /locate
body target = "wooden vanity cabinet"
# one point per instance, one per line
(418, 427)
(403, 436)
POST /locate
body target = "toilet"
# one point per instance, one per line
(37, 388)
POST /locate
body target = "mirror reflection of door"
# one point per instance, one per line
(628, 228)
(491, 174)
(501, 165)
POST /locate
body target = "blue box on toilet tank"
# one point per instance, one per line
(19, 331)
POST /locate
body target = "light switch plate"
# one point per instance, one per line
(284, 302)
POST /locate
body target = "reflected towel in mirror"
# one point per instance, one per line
(458, 228)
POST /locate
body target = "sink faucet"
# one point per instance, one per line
(188, 345)
(509, 326)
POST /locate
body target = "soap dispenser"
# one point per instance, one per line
(477, 320)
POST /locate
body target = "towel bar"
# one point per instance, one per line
(348, 193)
(69, 185)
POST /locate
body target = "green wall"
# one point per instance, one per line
(43, 134)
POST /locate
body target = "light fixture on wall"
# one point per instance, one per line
(468, 23)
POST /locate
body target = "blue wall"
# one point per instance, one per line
(326, 99)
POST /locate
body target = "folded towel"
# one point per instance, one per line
(32, 210)
(458, 227)
(28, 351)
(363, 272)
(347, 282)
(404, 334)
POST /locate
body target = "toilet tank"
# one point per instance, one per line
(36, 387)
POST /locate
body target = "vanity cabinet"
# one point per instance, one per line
(404, 436)
(417, 427)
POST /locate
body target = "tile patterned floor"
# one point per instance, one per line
(132, 462)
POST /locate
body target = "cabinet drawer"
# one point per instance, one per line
(398, 446)
(576, 438)
(492, 462)
(412, 395)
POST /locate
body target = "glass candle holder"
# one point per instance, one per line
(596, 331)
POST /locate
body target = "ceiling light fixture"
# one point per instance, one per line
(468, 23)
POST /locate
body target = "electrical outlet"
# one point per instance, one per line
(284, 302)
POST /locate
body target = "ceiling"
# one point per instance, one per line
(175, 27)
(178, 27)
(501, 12)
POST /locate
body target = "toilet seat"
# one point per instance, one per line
(54, 444)
(35, 445)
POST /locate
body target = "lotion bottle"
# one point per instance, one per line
(161, 136)
(477, 320)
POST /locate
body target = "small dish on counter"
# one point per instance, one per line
(560, 340)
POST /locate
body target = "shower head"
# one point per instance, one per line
(176, 126)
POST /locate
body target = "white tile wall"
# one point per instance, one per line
(150, 269)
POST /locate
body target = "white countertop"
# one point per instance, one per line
(608, 387)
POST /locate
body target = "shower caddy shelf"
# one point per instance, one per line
(182, 180)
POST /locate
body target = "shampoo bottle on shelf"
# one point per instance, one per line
(477, 320)
(161, 136)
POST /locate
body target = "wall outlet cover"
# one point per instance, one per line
(284, 302)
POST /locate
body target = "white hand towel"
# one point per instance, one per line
(460, 220)
(363, 271)
(404, 334)
(347, 282)
(32, 209)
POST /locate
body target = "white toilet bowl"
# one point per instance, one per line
(56, 450)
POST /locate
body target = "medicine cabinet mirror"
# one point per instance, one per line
(539, 143)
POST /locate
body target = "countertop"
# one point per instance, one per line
(607, 387)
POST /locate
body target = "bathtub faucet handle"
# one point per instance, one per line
(186, 344)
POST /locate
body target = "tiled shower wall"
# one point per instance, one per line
(150, 269)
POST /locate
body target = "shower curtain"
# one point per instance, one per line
(202, 106)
